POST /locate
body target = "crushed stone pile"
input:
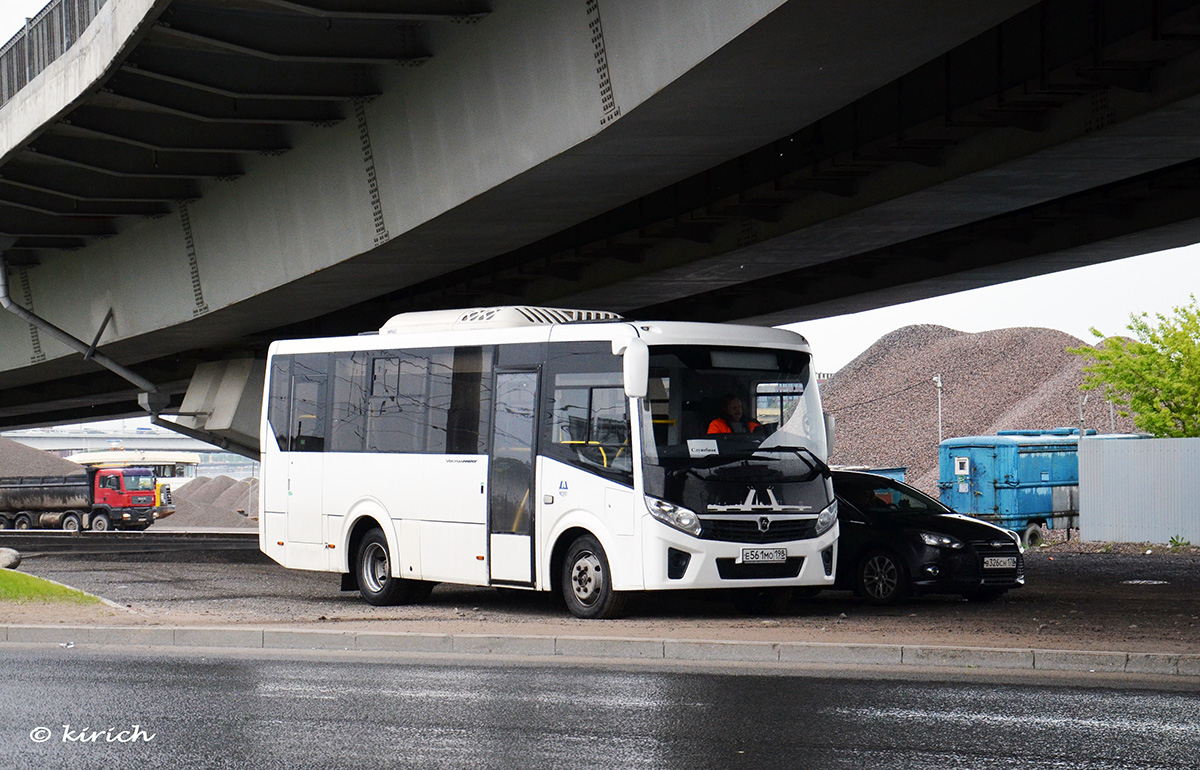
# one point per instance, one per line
(886, 406)
(214, 502)
(208, 492)
(16, 459)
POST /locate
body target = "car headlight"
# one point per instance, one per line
(939, 541)
(827, 518)
(674, 515)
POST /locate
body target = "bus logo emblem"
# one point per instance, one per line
(754, 503)
(764, 524)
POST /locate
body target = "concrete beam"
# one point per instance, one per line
(172, 132)
(238, 77)
(120, 159)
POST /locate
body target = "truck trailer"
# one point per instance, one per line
(98, 499)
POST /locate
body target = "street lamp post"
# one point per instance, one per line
(937, 383)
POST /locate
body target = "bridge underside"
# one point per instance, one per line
(772, 162)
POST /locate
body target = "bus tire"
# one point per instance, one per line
(23, 521)
(587, 583)
(101, 522)
(373, 569)
(70, 522)
(1033, 535)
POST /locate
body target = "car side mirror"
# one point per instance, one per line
(830, 428)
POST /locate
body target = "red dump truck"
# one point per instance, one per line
(95, 499)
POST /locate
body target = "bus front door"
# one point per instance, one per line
(511, 493)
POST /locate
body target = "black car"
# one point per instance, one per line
(896, 541)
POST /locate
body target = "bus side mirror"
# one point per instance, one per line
(830, 426)
(636, 355)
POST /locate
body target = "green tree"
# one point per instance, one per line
(1155, 378)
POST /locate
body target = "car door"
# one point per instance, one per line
(854, 533)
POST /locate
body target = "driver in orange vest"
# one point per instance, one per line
(731, 419)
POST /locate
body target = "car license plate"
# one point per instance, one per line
(999, 562)
(764, 555)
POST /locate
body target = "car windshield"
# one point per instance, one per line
(713, 406)
(879, 496)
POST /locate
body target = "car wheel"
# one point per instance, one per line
(101, 523)
(1033, 535)
(882, 578)
(4, 522)
(373, 565)
(984, 594)
(70, 522)
(23, 522)
(587, 583)
(762, 601)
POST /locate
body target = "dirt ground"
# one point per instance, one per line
(1078, 596)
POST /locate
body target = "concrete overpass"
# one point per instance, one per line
(182, 181)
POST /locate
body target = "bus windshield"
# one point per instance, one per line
(707, 406)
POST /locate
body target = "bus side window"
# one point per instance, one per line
(591, 424)
(309, 374)
(347, 428)
(280, 401)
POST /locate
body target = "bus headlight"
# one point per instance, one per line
(827, 518)
(674, 515)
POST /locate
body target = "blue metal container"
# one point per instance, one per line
(1019, 479)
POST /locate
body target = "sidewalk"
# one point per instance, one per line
(611, 648)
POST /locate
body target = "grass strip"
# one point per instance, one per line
(19, 587)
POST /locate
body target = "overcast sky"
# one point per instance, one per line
(1102, 296)
(13, 13)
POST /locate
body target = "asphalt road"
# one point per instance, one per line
(1073, 601)
(231, 712)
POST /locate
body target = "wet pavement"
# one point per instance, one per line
(149, 710)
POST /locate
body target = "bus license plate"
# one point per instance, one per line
(999, 562)
(764, 555)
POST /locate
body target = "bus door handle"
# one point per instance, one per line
(548, 499)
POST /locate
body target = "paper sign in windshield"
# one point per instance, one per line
(702, 447)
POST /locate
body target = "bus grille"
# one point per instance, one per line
(747, 530)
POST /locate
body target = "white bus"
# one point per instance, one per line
(551, 450)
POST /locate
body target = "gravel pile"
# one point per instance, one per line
(19, 460)
(214, 502)
(886, 404)
(205, 490)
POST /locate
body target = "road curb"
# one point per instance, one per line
(612, 648)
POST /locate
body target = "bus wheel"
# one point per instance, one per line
(586, 581)
(70, 522)
(374, 572)
(100, 522)
(23, 522)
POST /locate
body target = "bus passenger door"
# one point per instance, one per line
(511, 493)
(307, 444)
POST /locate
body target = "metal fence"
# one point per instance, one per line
(45, 37)
(1139, 491)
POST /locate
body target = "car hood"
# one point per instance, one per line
(954, 524)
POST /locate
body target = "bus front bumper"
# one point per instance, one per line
(674, 560)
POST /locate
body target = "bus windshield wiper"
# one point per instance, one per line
(817, 465)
